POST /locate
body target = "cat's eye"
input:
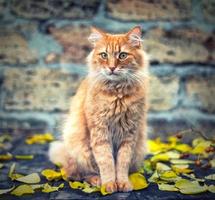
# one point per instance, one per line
(104, 55)
(123, 55)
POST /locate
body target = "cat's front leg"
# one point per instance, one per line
(103, 154)
(124, 157)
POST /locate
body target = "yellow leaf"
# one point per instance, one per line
(76, 185)
(168, 174)
(22, 189)
(40, 138)
(48, 188)
(211, 188)
(172, 139)
(37, 186)
(63, 174)
(1, 165)
(24, 157)
(51, 174)
(183, 148)
(200, 147)
(103, 191)
(7, 156)
(4, 191)
(31, 178)
(182, 169)
(167, 187)
(159, 157)
(138, 181)
(157, 146)
(190, 187)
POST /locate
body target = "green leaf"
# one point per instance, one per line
(24, 157)
(181, 161)
(154, 178)
(167, 187)
(31, 178)
(12, 169)
(22, 189)
(4, 191)
(138, 181)
(211, 177)
(190, 187)
(211, 188)
(162, 167)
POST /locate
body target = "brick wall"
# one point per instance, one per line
(43, 45)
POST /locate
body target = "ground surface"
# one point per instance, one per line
(41, 162)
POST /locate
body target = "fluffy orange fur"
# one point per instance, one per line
(104, 137)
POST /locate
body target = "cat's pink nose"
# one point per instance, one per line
(112, 68)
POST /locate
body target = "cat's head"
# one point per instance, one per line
(116, 56)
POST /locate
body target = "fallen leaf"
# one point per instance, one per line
(12, 169)
(211, 177)
(4, 191)
(5, 157)
(103, 191)
(40, 138)
(167, 187)
(200, 147)
(211, 188)
(138, 181)
(168, 174)
(162, 167)
(181, 161)
(182, 169)
(212, 162)
(183, 148)
(63, 174)
(76, 185)
(31, 178)
(159, 157)
(147, 166)
(90, 189)
(24, 157)
(48, 188)
(37, 186)
(51, 174)
(5, 137)
(154, 177)
(190, 187)
(22, 189)
(1, 165)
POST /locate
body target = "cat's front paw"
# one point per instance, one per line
(110, 186)
(124, 186)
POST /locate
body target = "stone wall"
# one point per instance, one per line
(43, 46)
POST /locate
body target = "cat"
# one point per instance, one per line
(104, 136)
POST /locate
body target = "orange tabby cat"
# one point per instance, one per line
(104, 137)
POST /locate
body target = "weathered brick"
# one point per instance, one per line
(163, 93)
(181, 45)
(45, 9)
(3, 5)
(149, 10)
(15, 126)
(14, 49)
(38, 89)
(201, 92)
(74, 41)
(208, 7)
(163, 128)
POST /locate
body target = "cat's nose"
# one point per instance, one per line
(112, 68)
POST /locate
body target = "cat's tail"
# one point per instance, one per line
(58, 153)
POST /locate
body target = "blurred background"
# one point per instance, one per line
(43, 46)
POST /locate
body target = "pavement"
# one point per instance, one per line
(40, 162)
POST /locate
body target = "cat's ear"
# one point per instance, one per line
(96, 35)
(134, 36)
